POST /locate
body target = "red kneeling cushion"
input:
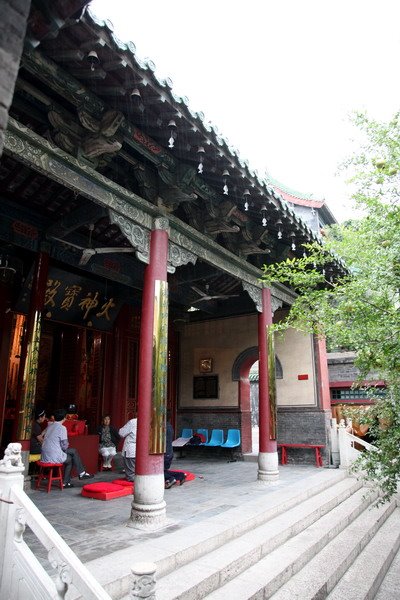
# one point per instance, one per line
(123, 482)
(105, 491)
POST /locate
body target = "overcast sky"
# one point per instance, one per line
(278, 77)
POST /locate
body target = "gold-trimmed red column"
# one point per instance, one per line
(324, 395)
(148, 506)
(268, 452)
(30, 351)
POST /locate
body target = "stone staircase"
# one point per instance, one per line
(325, 541)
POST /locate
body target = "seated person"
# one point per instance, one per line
(71, 415)
(108, 441)
(37, 432)
(171, 477)
(55, 449)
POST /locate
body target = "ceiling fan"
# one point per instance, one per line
(205, 296)
(89, 252)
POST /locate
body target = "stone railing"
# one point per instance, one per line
(22, 576)
(346, 442)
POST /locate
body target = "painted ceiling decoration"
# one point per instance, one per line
(98, 147)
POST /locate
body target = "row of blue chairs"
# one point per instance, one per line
(216, 438)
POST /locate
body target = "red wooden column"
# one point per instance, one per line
(322, 374)
(30, 352)
(268, 452)
(148, 506)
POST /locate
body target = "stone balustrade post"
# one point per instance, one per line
(143, 581)
(335, 443)
(344, 447)
(12, 522)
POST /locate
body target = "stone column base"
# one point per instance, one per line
(148, 505)
(268, 466)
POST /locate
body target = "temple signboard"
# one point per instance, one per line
(76, 300)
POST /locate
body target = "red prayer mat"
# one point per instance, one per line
(124, 482)
(105, 491)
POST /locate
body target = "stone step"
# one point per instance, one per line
(174, 547)
(215, 569)
(365, 576)
(318, 578)
(279, 574)
(390, 586)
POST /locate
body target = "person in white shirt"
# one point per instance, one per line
(128, 431)
(55, 449)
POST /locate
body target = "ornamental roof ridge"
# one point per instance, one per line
(294, 193)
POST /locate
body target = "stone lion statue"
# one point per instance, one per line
(12, 456)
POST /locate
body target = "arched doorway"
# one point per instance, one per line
(240, 372)
(245, 371)
(253, 378)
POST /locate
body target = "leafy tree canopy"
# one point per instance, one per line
(360, 310)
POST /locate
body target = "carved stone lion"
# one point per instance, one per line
(12, 456)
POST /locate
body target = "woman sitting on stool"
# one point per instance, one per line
(108, 441)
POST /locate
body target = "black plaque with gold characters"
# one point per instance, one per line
(76, 299)
(205, 387)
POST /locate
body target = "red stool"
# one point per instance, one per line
(51, 472)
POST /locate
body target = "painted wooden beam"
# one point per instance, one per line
(36, 152)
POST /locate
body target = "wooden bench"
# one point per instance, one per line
(316, 447)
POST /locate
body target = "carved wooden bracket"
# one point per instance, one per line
(255, 294)
(91, 138)
(139, 238)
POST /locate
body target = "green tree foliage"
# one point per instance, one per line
(360, 309)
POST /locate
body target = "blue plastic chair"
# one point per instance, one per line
(187, 433)
(205, 433)
(233, 439)
(217, 438)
